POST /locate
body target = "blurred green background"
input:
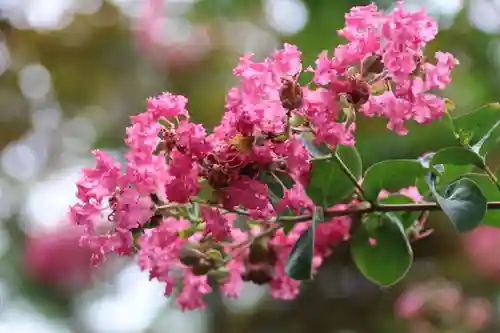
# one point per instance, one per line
(73, 71)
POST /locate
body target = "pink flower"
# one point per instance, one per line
(397, 110)
(233, 284)
(328, 234)
(320, 106)
(216, 224)
(191, 293)
(439, 76)
(282, 286)
(183, 183)
(252, 195)
(296, 200)
(191, 139)
(167, 105)
(297, 158)
(380, 71)
(160, 254)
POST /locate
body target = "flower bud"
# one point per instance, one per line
(259, 275)
(203, 266)
(190, 257)
(221, 274)
(373, 65)
(217, 177)
(261, 253)
(359, 92)
(291, 94)
(215, 255)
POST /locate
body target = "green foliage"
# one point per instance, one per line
(462, 201)
(491, 192)
(391, 175)
(299, 263)
(389, 258)
(457, 156)
(477, 124)
(329, 184)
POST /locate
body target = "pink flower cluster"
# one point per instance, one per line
(173, 201)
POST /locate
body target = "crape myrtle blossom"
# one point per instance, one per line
(196, 207)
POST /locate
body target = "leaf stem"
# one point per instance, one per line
(491, 176)
(349, 174)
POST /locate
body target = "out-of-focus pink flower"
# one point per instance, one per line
(155, 41)
(56, 258)
(477, 313)
(423, 303)
(481, 246)
(410, 302)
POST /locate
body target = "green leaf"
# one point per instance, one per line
(478, 122)
(488, 141)
(206, 191)
(408, 219)
(447, 173)
(314, 150)
(288, 226)
(457, 156)
(299, 263)
(328, 184)
(490, 191)
(462, 202)
(275, 188)
(391, 175)
(389, 259)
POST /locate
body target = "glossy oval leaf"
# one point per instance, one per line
(447, 173)
(491, 192)
(391, 175)
(457, 156)
(328, 184)
(462, 202)
(383, 255)
(314, 150)
(488, 142)
(299, 262)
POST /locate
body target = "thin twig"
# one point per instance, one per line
(491, 176)
(349, 174)
(366, 207)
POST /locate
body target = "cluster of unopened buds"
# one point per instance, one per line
(231, 205)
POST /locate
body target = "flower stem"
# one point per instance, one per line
(349, 174)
